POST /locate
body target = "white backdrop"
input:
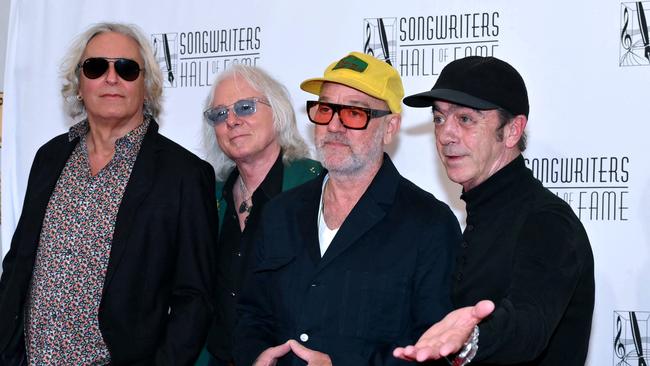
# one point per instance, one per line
(584, 63)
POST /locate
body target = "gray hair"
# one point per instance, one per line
(284, 119)
(153, 81)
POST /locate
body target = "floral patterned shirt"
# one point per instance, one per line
(61, 317)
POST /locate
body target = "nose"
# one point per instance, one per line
(232, 120)
(447, 132)
(335, 124)
(111, 74)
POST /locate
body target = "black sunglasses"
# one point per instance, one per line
(352, 117)
(95, 67)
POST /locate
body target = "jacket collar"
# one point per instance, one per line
(371, 208)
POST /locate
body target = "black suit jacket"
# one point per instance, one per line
(384, 279)
(156, 301)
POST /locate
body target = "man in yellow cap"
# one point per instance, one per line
(358, 260)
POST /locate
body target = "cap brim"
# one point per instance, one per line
(314, 86)
(426, 99)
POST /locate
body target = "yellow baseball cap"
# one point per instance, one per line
(365, 73)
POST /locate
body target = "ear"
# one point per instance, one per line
(392, 127)
(514, 130)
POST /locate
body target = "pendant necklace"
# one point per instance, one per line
(244, 206)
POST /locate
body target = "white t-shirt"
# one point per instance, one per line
(325, 234)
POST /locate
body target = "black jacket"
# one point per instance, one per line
(383, 280)
(156, 301)
(234, 245)
(526, 250)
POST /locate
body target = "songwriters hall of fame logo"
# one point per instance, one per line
(635, 40)
(165, 49)
(379, 39)
(194, 58)
(422, 45)
(631, 338)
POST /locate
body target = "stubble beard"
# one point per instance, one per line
(355, 161)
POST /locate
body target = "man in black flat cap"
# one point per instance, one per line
(524, 250)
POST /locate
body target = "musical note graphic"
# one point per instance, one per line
(379, 39)
(635, 35)
(631, 341)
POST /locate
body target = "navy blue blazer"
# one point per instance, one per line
(156, 303)
(383, 281)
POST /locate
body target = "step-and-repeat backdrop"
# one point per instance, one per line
(586, 64)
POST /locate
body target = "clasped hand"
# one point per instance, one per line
(271, 355)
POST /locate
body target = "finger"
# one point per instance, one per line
(301, 351)
(449, 348)
(400, 353)
(410, 351)
(425, 354)
(483, 308)
(278, 351)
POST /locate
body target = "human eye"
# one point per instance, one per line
(465, 119)
(438, 119)
(356, 112)
(220, 112)
(245, 105)
(217, 114)
(324, 108)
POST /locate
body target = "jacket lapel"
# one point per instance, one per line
(306, 218)
(136, 190)
(367, 213)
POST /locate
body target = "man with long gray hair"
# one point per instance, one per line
(257, 151)
(112, 258)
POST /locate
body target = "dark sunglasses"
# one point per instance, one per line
(95, 67)
(242, 108)
(352, 117)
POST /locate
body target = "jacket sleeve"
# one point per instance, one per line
(547, 270)
(16, 271)
(191, 304)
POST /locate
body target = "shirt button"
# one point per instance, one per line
(304, 337)
(469, 227)
(464, 244)
(459, 276)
